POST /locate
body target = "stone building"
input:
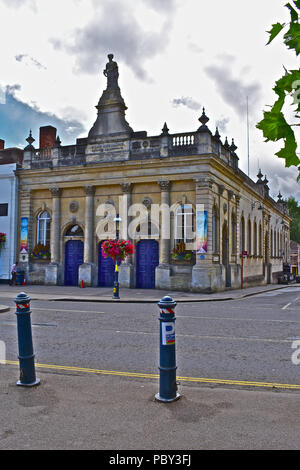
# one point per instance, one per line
(70, 194)
(10, 160)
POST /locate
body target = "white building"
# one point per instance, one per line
(8, 218)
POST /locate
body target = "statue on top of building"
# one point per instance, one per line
(111, 72)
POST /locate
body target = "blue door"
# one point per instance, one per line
(146, 261)
(73, 259)
(106, 270)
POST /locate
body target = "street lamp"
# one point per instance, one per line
(116, 296)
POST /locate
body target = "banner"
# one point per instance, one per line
(201, 231)
(24, 234)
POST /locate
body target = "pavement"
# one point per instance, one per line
(104, 294)
(86, 409)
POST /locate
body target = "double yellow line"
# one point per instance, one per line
(242, 383)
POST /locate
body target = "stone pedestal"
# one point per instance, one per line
(162, 276)
(126, 275)
(53, 274)
(87, 272)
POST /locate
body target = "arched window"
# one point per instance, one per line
(233, 234)
(74, 231)
(242, 233)
(272, 244)
(43, 228)
(260, 248)
(184, 224)
(255, 239)
(215, 230)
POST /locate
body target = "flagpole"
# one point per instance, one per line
(248, 137)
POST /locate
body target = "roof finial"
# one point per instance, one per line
(217, 135)
(226, 144)
(30, 141)
(204, 120)
(233, 147)
(165, 130)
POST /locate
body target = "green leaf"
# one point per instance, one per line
(275, 30)
(288, 152)
(292, 37)
(297, 3)
(289, 83)
(274, 126)
(294, 14)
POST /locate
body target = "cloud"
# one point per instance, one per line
(186, 101)
(29, 61)
(19, 3)
(222, 124)
(120, 33)
(233, 91)
(163, 5)
(17, 118)
(195, 48)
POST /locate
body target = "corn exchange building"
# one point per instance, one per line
(197, 221)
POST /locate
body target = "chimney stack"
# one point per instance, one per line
(2, 144)
(47, 137)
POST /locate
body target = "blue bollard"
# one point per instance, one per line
(26, 355)
(167, 368)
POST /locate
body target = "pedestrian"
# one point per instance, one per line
(13, 274)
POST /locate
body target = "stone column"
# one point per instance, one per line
(87, 270)
(53, 274)
(163, 270)
(208, 275)
(126, 270)
(89, 224)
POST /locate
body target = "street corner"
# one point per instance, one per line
(4, 308)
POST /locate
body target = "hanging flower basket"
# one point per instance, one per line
(118, 250)
(2, 239)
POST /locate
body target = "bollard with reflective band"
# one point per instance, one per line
(26, 355)
(167, 368)
(116, 283)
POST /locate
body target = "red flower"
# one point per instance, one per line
(117, 249)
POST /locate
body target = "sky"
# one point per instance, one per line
(175, 57)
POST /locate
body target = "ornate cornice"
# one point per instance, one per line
(164, 185)
(89, 190)
(55, 191)
(126, 188)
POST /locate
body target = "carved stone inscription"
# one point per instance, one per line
(106, 147)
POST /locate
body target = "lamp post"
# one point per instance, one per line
(116, 296)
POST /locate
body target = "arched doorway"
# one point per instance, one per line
(106, 269)
(73, 259)
(146, 261)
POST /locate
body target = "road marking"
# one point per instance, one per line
(240, 319)
(235, 338)
(244, 383)
(62, 310)
(287, 305)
